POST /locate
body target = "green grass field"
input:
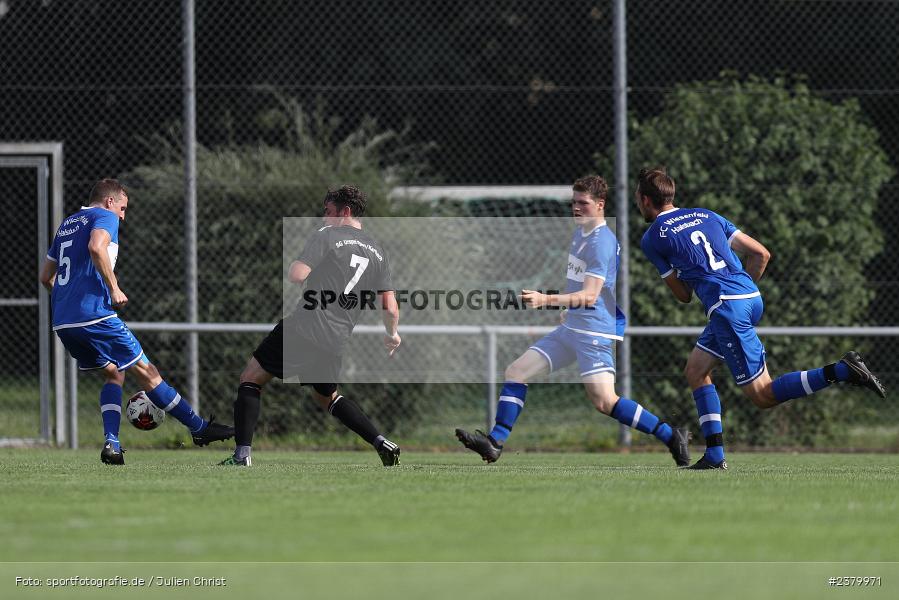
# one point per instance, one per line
(588, 518)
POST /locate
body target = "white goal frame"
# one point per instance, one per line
(47, 160)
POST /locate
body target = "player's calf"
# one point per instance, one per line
(630, 413)
(760, 392)
(849, 369)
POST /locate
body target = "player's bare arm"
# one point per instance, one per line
(98, 247)
(298, 271)
(390, 315)
(585, 297)
(680, 289)
(756, 255)
(48, 274)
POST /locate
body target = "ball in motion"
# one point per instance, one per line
(142, 413)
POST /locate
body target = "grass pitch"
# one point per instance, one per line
(593, 512)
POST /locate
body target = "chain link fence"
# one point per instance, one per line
(512, 92)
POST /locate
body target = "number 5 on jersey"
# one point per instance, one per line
(361, 263)
(698, 237)
(64, 261)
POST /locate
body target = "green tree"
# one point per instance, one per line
(802, 175)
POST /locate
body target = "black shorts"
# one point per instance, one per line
(297, 357)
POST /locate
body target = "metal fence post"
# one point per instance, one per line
(622, 205)
(491, 378)
(190, 200)
(73, 402)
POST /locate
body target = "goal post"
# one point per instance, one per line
(31, 169)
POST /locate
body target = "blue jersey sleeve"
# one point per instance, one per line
(729, 228)
(108, 221)
(600, 256)
(655, 256)
(53, 252)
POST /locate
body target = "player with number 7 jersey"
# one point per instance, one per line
(694, 251)
(348, 271)
(345, 271)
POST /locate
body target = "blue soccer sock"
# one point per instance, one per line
(708, 405)
(632, 414)
(510, 405)
(165, 397)
(111, 411)
(805, 383)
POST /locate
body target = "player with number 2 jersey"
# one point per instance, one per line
(694, 250)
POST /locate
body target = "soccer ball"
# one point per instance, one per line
(142, 413)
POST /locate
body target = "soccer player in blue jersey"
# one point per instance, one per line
(78, 273)
(587, 335)
(694, 250)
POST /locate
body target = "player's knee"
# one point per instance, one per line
(112, 375)
(602, 397)
(249, 375)
(147, 374)
(695, 376)
(254, 373)
(761, 397)
(515, 372)
(604, 403)
(325, 389)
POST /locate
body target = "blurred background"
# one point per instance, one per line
(781, 115)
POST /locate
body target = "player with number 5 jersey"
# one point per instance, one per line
(344, 271)
(79, 274)
(694, 250)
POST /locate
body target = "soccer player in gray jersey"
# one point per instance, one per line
(344, 270)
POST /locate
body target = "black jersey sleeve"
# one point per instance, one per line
(315, 248)
(384, 282)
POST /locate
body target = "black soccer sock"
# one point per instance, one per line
(246, 412)
(349, 413)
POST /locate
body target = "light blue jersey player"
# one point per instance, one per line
(590, 328)
(78, 273)
(694, 250)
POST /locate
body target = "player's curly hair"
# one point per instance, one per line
(657, 185)
(105, 188)
(348, 195)
(594, 185)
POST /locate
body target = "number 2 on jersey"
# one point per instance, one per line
(698, 237)
(361, 263)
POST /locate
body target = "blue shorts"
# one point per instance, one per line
(95, 346)
(730, 336)
(594, 354)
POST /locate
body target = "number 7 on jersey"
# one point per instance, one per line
(361, 263)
